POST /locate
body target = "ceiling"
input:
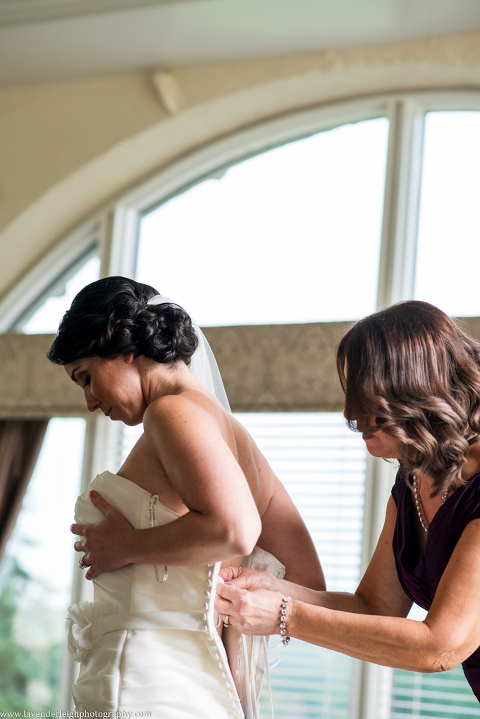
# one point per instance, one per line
(52, 40)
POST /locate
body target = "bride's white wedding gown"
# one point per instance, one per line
(147, 645)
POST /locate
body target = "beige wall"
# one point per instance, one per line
(67, 148)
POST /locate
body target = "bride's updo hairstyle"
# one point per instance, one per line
(112, 317)
(412, 371)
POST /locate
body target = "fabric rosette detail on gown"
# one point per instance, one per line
(79, 626)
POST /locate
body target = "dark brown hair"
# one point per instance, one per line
(413, 369)
(112, 317)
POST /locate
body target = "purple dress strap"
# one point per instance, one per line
(420, 572)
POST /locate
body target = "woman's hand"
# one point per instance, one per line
(250, 612)
(247, 578)
(105, 543)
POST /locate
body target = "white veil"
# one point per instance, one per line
(203, 365)
(252, 650)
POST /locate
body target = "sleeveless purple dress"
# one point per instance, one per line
(420, 575)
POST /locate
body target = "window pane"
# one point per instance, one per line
(36, 575)
(449, 224)
(448, 257)
(442, 696)
(291, 235)
(47, 315)
(445, 696)
(322, 464)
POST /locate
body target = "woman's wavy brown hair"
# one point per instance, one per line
(413, 369)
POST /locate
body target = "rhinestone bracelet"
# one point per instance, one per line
(283, 620)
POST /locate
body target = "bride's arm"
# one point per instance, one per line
(285, 535)
(222, 520)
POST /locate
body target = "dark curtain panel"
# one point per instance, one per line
(20, 443)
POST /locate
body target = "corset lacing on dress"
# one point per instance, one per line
(211, 639)
(153, 523)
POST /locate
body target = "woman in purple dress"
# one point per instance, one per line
(411, 379)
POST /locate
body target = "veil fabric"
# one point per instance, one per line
(251, 652)
(203, 365)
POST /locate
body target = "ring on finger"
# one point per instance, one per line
(81, 563)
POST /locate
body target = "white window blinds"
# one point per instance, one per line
(322, 464)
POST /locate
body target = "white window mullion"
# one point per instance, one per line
(402, 198)
(372, 684)
(117, 231)
(94, 461)
(118, 243)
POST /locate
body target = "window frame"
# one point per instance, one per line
(406, 114)
(54, 267)
(114, 230)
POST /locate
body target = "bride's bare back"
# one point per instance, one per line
(283, 531)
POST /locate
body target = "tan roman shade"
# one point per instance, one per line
(272, 368)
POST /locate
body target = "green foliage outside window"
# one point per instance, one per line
(30, 661)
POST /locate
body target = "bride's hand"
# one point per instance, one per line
(246, 578)
(103, 542)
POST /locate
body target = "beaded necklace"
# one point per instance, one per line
(419, 505)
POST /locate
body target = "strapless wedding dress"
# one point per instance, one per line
(148, 642)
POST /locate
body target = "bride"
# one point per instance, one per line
(194, 492)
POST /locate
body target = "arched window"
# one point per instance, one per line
(306, 222)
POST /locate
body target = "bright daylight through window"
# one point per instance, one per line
(269, 239)
(295, 234)
(36, 575)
